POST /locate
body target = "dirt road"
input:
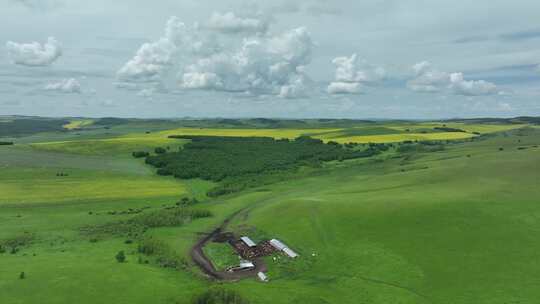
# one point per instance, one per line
(198, 256)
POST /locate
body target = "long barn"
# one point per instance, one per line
(282, 247)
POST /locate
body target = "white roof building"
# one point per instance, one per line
(248, 241)
(277, 244)
(262, 277)
(282, 247)
(288, 251)
(246, 264)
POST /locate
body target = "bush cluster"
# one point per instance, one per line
(447, 129)
(136, 226)
(140, 154)
(423, 146)
(219, 296)
(166, 257)
(13, 244)
(160, 150)
(120, 257)
(186, 202)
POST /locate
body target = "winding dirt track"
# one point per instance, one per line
(198, 256)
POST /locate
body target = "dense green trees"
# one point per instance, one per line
(217, 158)
(6, 143)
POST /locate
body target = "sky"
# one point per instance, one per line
(406, 59)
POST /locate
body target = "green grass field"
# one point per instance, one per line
(222, 255)
(457, 226)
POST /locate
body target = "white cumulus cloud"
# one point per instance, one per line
(70, 85)
(429, 80)
(203, 59)
(34, 54)
(153, 59)
(352, 75)
(262, 65)
(461, 86)
(231, 23)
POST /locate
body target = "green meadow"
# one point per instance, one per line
(456, 225)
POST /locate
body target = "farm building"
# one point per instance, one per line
(288, 251)
(262, 276)
(277, 244)
(282, 247)
(244, 265)
(248, 241)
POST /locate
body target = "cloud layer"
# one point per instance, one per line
(34, 54)
(430, 80)
(230, 23)
(68, 86)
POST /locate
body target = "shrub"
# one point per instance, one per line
(160, 150)
(140, 154)
(419, 147)
(165, 256)
(120, 257)
(6, 143)
(169, 218)
(219, 296)
(14, 243)
(446, 129)
(186, 202)
(22, 275)
(137, 225)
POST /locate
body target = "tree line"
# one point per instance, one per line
(239, 162)
(216, 158)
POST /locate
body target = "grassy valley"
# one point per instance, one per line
(444, 212)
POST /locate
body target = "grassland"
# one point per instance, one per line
(456, 226)
(33, 185)
(120, 143)
(222, 255)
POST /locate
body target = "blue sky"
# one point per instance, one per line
(291, 59)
